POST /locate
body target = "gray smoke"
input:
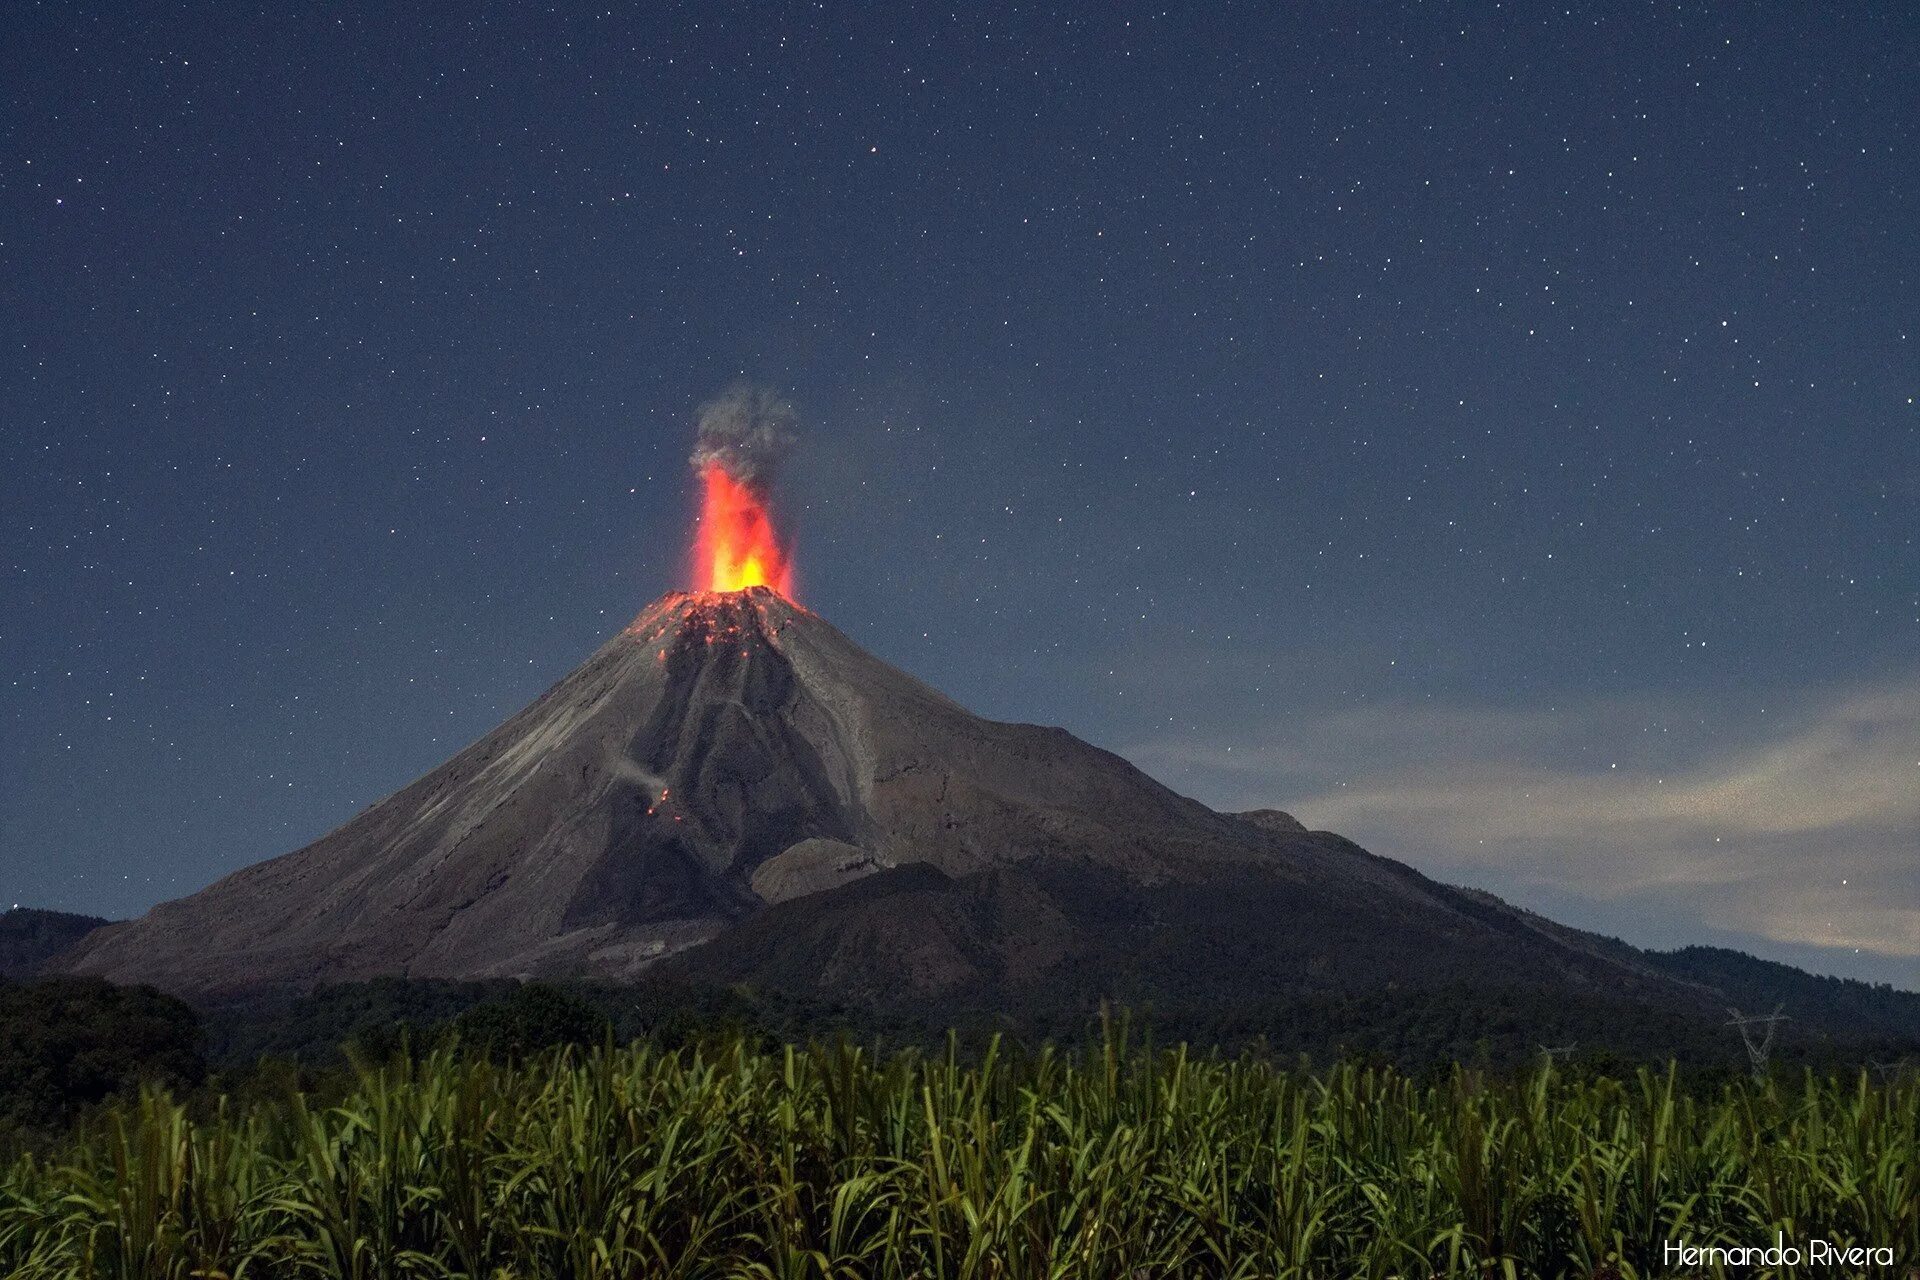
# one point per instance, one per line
(748, 431)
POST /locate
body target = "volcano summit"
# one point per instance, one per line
(734, 789)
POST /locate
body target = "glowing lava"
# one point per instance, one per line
(736, 546)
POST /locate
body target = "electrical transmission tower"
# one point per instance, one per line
(1890, 1071)
(1756, 1033)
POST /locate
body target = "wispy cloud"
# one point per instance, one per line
(1799, 827)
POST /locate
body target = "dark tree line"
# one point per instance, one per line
(66, 1043)
(69, 1043)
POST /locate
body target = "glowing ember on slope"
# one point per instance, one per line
(737, 546)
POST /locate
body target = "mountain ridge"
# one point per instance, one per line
(32, 936)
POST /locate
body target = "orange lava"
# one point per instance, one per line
(736, 546)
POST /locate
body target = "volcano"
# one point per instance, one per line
(732, 790)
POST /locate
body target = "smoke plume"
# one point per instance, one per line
(746, 431)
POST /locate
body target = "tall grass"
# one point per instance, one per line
(830, 1162)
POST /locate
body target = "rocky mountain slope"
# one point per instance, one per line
(730, 790)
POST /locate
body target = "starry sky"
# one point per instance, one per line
(1487, 431)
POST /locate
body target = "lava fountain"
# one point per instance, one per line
(737, 546)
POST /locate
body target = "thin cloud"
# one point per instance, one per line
(1804, 831)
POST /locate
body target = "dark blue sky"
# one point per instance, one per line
(1489, 433)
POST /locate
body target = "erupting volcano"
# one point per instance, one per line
(732, 787)
(737, 546)
(745, 434)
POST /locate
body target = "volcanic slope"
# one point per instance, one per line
(730, 770)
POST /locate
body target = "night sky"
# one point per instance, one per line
(1487, 433)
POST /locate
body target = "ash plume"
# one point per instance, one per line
(746, 431)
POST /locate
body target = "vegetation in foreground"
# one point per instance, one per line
(731, 1160)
